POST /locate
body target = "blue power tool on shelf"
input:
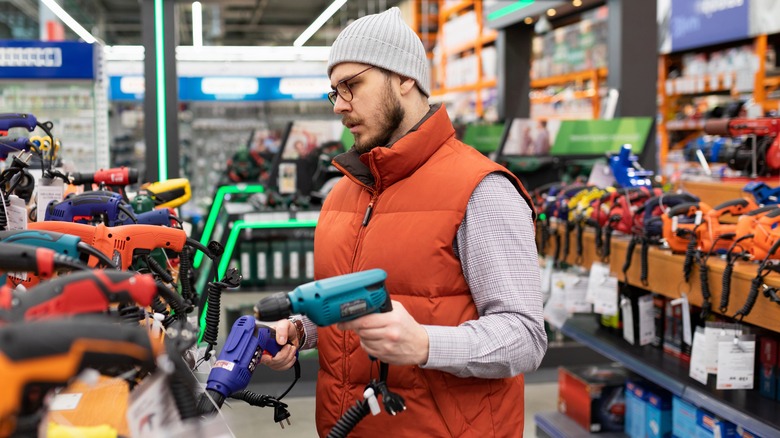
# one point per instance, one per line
(762, 193)
(331, 300)
(237, 361)
(17, 120)
(627, 171)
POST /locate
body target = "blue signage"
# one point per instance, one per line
(228, 89)
(697, 23)
(46, 60)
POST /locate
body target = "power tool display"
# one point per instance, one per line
(756, 144)
(627, 170)
(169, 194)
(38, 356)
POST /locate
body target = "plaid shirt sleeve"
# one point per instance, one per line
(497, 249)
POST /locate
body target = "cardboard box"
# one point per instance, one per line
(683, 418)
(767, 377)
(658, 412)
(634, 423)
(710, 426)
(593, 396)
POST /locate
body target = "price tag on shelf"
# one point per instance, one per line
(555, 307)
(576, 289)
(49, 190)
(698, 370)
(628, 320)
(736, 362)
(712, 333)
(646, 319)
(17, 214)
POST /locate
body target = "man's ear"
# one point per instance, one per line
(407, 85)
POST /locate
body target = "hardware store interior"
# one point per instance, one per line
(549, 218)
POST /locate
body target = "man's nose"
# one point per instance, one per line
(341, 105)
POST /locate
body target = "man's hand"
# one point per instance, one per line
(393, 337)
(285, 358)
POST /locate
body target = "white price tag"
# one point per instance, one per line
(628, 320)
(698, 370)
(576, 289)
(736, 362)
(65, 402)
(547, 272)
(151, 409)
(712, 333)
(646, 319)
(48, 191)
(17, 214)
(555, 308)
(599, 273)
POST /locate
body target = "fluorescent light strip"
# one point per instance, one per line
(68, 20)
(226, 53)
(317, 24)
(197, 24)
(159, 58)
(506, 10)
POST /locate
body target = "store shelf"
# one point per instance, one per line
(587, 94)
(463, 88)
(557, 425)
(464, 4)
(671, 285)
(485, 39)
(568, 78)
(745, 408)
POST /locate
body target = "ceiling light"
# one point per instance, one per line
(576, 3)
(197, 24)
(551, 12)
(528, 20)
(317, 24)
(69, 21)
(226, 53)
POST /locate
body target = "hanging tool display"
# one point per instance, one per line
(758, 154)
(84, 292)
(582, 212)
(764, 235)
(124, 242)
(621, 215)
(168, 194)
(38, 356)
(64, 244)
(743, 239)
(96, 206)
(715, 235)
(627, 170)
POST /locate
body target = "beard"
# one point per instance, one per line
(388, 119)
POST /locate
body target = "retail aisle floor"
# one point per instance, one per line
(247, 421)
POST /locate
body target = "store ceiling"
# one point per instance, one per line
(225, 22)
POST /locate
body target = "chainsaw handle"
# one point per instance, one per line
(762, 210)
(686, 208)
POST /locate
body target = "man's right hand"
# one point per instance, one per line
(285, 331)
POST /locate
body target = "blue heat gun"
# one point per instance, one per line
(332, 300)
(237, 361)
(17, 120)
(627, 171)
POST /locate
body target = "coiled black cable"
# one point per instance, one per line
(690, 253)
(158, 270)
(545, 237)
(185, 281)
(578, 228)
(350, 419)
(179, 307)
(607, 249)
(131, 314)
(706, 305)
(599, 240)
(210, 333)
(557, 256)
(643, 260)
(629, 256)
(725, 281)
(757, 281)
(181, 385)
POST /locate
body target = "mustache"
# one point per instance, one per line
(349, 121)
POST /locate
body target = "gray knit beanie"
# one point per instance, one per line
(383, 40)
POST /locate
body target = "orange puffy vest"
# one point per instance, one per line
(417, 202)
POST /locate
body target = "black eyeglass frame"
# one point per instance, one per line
(332, 95)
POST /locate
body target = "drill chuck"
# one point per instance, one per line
(274, 307)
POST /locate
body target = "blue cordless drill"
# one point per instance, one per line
(332, 300)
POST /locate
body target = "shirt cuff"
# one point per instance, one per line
(446, 349)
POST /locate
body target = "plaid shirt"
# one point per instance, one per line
(497, 249)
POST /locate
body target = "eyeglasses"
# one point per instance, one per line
(343, 90)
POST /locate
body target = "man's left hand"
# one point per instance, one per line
(393, 337)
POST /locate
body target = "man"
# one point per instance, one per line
(453, 230)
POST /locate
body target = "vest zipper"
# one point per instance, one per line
(367, 216)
